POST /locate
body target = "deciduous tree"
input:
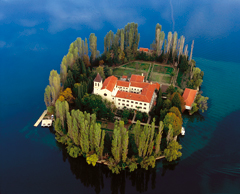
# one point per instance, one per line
(172, 151)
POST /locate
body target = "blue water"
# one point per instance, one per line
(34, 36)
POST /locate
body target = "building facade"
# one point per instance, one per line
(132, 94)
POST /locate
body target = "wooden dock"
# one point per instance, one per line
(40, 118)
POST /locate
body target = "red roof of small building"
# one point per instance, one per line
(137, 78)
(124, 76)
(110, 83)
(189, 96)
(123, 83)
(143, 49)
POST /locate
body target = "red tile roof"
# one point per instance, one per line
(110, 83)
(124, 76)
(139, 84)
(189, 96)
(123, 83)
(143, 49)
(145, 96)
(137, 78)
(98, 78)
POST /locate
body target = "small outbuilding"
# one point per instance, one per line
(189, 96)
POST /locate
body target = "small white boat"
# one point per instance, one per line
(183, 131)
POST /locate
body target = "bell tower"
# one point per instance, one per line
(97, 84)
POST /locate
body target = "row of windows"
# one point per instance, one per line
(132, 102)
(136, 89)
(139, 107)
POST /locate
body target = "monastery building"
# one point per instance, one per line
(132, 94)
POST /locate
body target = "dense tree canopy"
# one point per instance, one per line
(171, 118)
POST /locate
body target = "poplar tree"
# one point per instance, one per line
(79, 46)
(137, 132)
(190, 58)
(170, 134)
(162, 37)
(157, 37)
(159, 137)
(70, 125)
(97, 138)
(54, 82)
(63, 73)
(86, 47)
(151, 141)
(169, 41)
(186, 50)
(165, 46)
(75, 132)
(102, 144)
(174, 44)
(122, 39)
(182, 40)
(58, 126)
(47, 96)
(93, 45)
(115, 144)
(61, 110)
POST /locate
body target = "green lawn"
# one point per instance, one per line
(179, 78)
(119, 72)
(138, 66)
(162, 69)
(156, 77)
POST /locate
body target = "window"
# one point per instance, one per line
(140, 107)
(131, 101)
(119, 99)
(118, 103)
(123, 100)
(140, 103)
(136, 102)
(127, 104)
(113, 98)
(145, 104)
(98, 84)
(144, 108)
(127, 100)
(123, 104)
(131, 105)
(105, 94)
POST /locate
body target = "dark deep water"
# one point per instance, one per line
(34, 36)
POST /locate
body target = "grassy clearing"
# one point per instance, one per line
(163, 70)
(156, 77)
(119, 72)
(138, 65)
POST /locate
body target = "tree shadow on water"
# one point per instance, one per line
(169, 165)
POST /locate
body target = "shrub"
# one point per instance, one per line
(51, 109)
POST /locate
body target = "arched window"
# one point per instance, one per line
(105, 94)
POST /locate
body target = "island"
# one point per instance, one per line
(124, 108)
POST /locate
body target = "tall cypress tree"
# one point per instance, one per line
(176, 101)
